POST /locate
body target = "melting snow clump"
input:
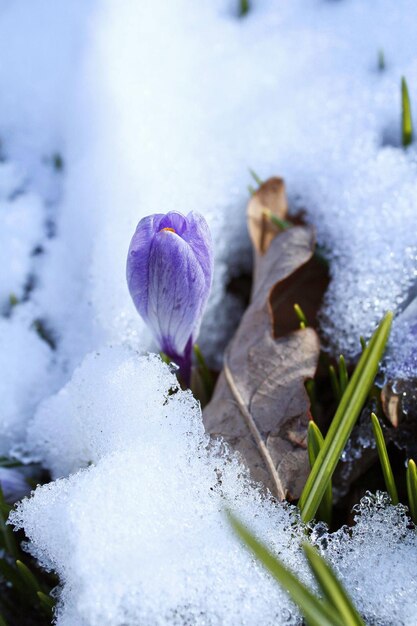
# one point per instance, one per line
(140, 537)
(376, 561)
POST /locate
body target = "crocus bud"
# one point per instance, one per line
(169, 274)
(13, 484)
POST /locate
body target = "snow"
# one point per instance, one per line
(21, 225)
(24, 381)
(374, 559)
(158, 106)
(140, 537)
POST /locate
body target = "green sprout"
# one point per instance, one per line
(344, 420)
(384, 459)
(335, 608)
(407, 121)
(412, 489)
(282, 224)
(258, 180)
(244, 7)
(301, 316)
(343, 375)
(314, 444)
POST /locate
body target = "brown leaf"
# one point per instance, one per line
(271, 197)
(391, 404)
(260, 406)
(305, 287)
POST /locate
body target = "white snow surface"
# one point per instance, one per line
(374, 559)
(140, 537)
(158, 106)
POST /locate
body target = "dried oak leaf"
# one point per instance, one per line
(260, 405)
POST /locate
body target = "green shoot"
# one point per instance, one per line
(316, 612)
(244, 7)
(407, 121)
(343, 375)
(205, 373)
(2, 621)
(255, 177)
(27, 577)
(310, 386)
(381, 60)
(301, 316)
(251, 190)
(47, 603)
(412, 489)
(5, 530)
(344, 420)
(282, 224)
(314, 444)
(384, 459)
(165, 358)
(331, 587)
(6, 461)
(13, 300)
(334, 383)
(363, 342)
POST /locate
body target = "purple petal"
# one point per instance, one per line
(199, 238)
(177, 291)
(137, 269)
(174, 220)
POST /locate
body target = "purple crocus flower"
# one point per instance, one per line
(169, 274)
(13, 484)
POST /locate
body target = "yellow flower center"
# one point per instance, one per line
(170, 229)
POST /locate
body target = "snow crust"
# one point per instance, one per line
(140, 537)
(374, 560)
(158, 106)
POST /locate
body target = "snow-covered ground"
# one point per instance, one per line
(110, 111)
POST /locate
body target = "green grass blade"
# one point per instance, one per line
(412, 489)
(310, 386)
(407, 121)
(334, 383)
(258, 180)
(6, 531)
(344, 420)
(205, 373)
(6, 461)
(316, 612)
(343, 374)
(384, 459)
(282, 224)
(47, 603)
(314, 444)
(27, 577)
(165, 358)
(244, 7)
(332, 588)
(301, 316)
